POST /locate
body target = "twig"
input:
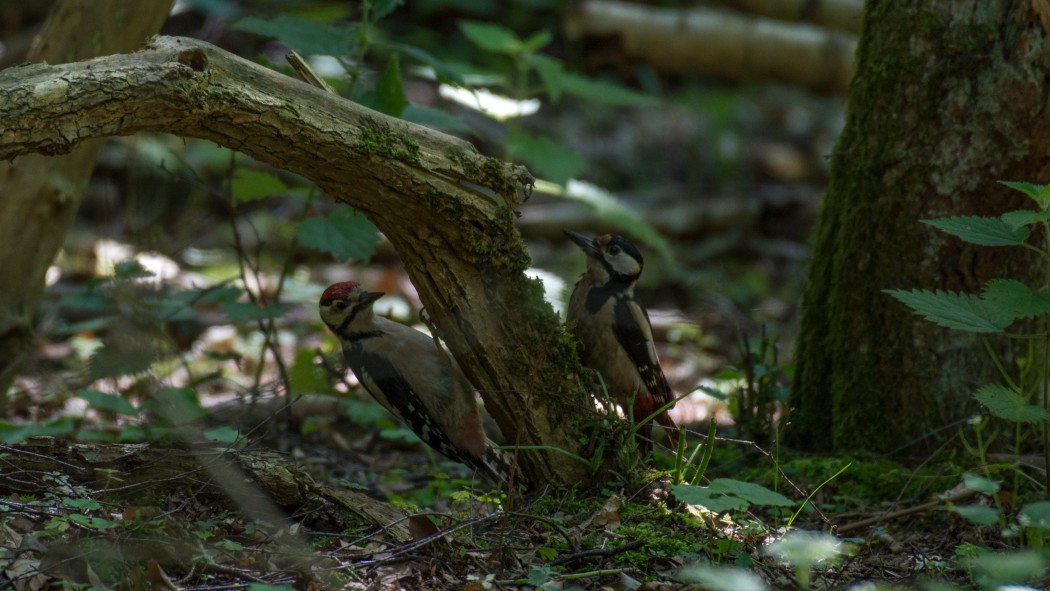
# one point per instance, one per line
(599, 552)
(955, 498)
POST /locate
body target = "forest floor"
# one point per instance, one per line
(171, 514)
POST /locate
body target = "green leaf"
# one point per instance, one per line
(984, 231)
(978, 514)
(130, 269)
(727, 494)
(91, 325)
(389, 92)
(107, 402)
(751, 492)
(90, 299)
(230, 545)
(381, 8)
(122, 357)
(92, 522)
(961, 311)
(604, 92)
(1036, 515)
(444, 72)
(1007, 404)
(306, 377)
(1024, 217)
(546, 554)
(361, 412)
(492, 37)
(980, 484)
(304, 36)
(83, 504)
(163, 307)
(548, 158)
(251, 185)
(552, 73)
(704, 497)
(92, 435)
(537, 41)
(239, 312)
(539, 575)
(178, 405)
(1031, 189)
(1015, 299)
(224, 434)
(345, 233)
(10, 433)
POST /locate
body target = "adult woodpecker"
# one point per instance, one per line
(406, 372)
(614, 334)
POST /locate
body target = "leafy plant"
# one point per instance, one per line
(1023, 398)
(760, 395)
(1032, 522)
(509, 63)
(132, 308)
(727, 494)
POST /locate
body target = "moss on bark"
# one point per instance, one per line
(947, 100)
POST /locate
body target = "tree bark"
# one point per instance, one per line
(447, 210)
(949, 98)
(721, 43)
(41, 195)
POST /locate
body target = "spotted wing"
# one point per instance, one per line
(635, 334)
(390, 388)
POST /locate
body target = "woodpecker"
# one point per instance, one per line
(613, 332)
(406, 372)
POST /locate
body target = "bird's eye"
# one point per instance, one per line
(614, 249)
(340, 305)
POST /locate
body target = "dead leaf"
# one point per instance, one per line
(25, 573)
(96, 582)
(159, 579)
(608, 517)
(420, 527)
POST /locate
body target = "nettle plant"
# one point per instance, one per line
(1023, 396)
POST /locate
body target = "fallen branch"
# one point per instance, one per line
(721, 43)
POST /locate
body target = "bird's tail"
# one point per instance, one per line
(496, 465)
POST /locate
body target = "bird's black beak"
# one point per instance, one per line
(367, 297)
(588, 244)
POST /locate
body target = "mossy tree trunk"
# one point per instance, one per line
(949, 97)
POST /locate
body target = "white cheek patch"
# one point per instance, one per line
(624, 264)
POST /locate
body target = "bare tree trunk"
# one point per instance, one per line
(447, 210)
(42, 194)
(949, 98)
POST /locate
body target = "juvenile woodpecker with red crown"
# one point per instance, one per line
(613, 332)
(406, 372)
